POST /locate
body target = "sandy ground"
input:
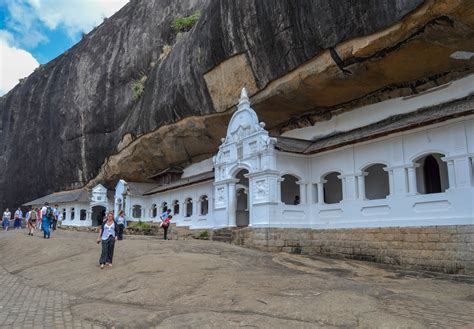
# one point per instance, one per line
(203, 284)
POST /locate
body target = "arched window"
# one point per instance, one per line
(432, 174)
(290, 191)
(72, 213)
(204, 204)
(332, 188)
(83, 214)
(376, 182)
(137, 211)
(241, 177)
(64, 213)
(164, 207)
(154, 211)
(189, 207)
(175, 207)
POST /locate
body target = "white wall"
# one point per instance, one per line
(198, 168)
(193, 191)
(78, 206)
(403, 207)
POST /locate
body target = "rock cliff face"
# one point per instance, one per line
(75, 121)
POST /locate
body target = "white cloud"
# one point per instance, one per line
(26, 26)
(15, 64)
(74, 15)
(23, 23)
(27, 18)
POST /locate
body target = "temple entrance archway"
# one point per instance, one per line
(241, 194)
(98, 214)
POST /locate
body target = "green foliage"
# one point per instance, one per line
(140, 226)
(184, 24)
(204, 235)
(138, 88)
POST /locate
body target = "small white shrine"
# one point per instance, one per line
(311, 178)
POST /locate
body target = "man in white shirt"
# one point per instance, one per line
(18, 218)
(54, 221)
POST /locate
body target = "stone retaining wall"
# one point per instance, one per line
(448, 249)
(174, 233)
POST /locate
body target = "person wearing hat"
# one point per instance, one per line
(45, 220)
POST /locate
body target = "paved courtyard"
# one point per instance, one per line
(199, 284)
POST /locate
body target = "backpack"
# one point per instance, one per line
(49, 213)
(33, 215)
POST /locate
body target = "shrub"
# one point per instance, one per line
(140, 226)
(204, 235)
(184, 24)
(138, 88)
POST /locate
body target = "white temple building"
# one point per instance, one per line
(401, 162)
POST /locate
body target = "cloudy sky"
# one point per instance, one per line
(33, 32)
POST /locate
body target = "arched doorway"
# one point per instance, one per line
(242, 208)
(332, 188)
(290, 190)
(432, 174)
(98, 214)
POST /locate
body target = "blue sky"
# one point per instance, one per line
(33, 32)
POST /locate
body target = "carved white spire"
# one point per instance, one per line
(244, 101)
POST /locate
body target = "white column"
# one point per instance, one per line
(400, 180)
(309, 193)
(460, 170)
(343, 184)
(390, 181)
(232, 205)
(451, 174)
(349, 187)
(412, 188)
(321, 191)
(361, 185)
(279, 180)
(302, 186)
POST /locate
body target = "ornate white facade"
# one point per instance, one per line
(419, 177)
(416, 177)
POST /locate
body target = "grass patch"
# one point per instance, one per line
(165, 52)
(184, 24)
(138, 88)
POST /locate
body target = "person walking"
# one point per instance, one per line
(54, 221)
(18, 217)
(165, 214)
(60, 218)
(6, 219)
(121, 223)
(107, 236)
(38, 219)
(166, 225)
(27, 218)
(32, 218)
(46, 216)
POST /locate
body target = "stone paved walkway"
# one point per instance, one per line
(23, 306)
(202, 284)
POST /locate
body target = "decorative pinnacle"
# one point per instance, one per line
(244, 94)
(244, 98)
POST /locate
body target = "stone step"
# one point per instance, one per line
(221, 239)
